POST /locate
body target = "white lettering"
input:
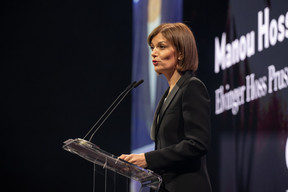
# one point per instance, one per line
(269, 33)
(229, 54)
(263, 29)
(242, 48)
(281, 28)
(229, 100)
(277, 80)
(235, 45)
(255, 88)
(273, 32)
(286, 24)
(250, 43)
(220, 53)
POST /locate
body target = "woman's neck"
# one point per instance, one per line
(172, 80)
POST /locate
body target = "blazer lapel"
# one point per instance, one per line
(168, 101)
(172, 94)
(163, 105)
(156, 114)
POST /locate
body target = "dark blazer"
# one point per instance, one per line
(181, 131)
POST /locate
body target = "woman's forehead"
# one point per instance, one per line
(159, 38)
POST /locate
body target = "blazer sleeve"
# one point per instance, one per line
(196, 126)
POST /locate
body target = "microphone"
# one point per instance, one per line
(118, 100)
(138, 83)
(127, 88)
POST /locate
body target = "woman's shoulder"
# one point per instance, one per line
(194, 84)
(195, 81)
(190, 77)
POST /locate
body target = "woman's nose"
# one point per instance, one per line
(154, 53)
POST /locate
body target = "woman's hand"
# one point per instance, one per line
(136, 159)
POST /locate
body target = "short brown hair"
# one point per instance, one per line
(184, 42)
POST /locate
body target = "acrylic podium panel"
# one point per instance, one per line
(94, 154)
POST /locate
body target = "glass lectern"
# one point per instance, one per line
(94, 154)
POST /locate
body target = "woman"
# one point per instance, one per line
(181, 126)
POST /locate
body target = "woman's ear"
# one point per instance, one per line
(180, 56)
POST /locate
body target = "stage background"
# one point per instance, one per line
(249, 149)
(243, 61)
(64, 62)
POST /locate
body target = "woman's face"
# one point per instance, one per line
(164, 57)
